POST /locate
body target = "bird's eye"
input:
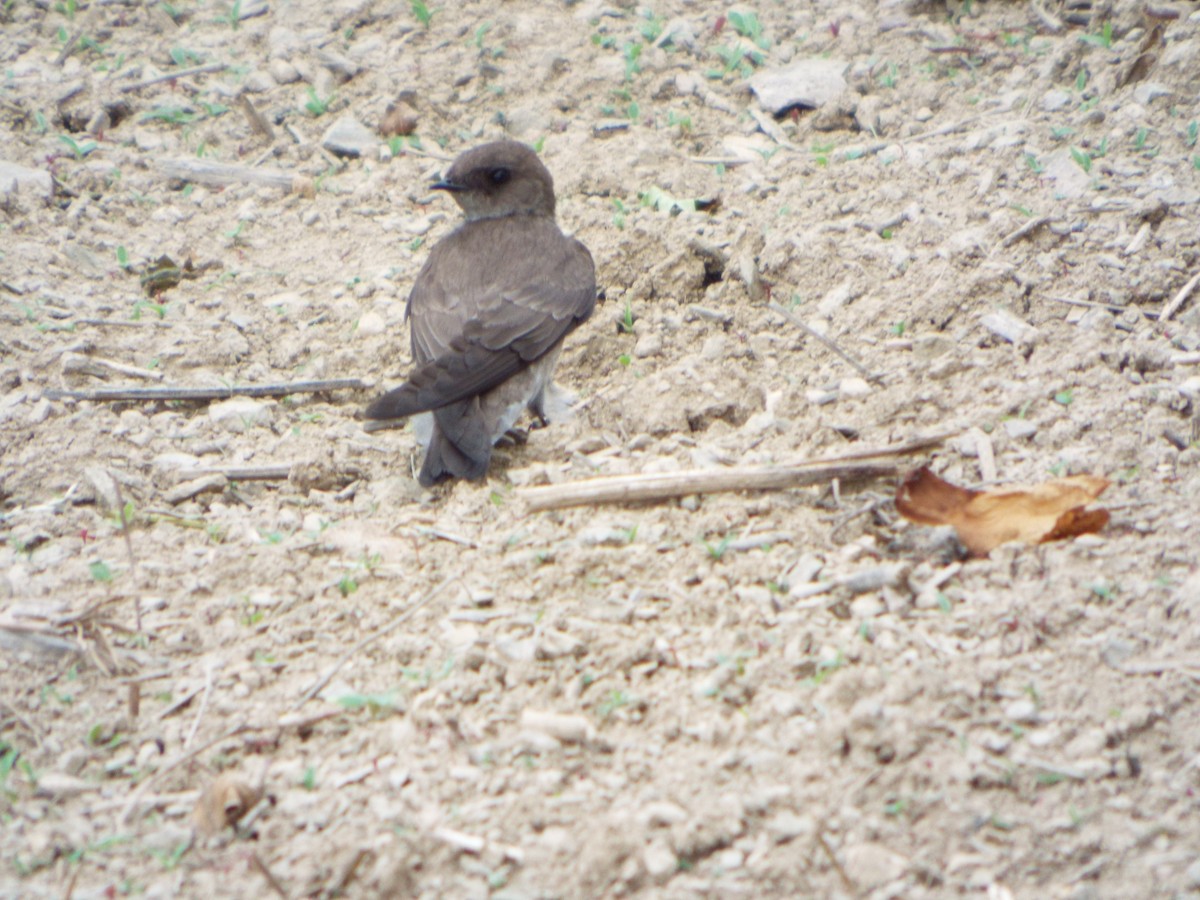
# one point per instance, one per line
(499, 175)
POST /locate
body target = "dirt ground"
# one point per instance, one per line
(442, 694)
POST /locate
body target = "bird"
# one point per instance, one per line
(489, 310)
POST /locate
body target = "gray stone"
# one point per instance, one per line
(1053, 101)
(15, 179)
(349, 137)
(239, 414)
(1020, 429)
(810, 83)
(283, 71)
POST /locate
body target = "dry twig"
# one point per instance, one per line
(1179, 299)
(387, 629)
(795, 320)
(172, 76)
(656, 486)
(170, 392)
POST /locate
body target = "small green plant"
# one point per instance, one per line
(79, 148)
(748, 26)
(184, 57)
(234, 17)
(172, 115)
(624, 360)
(652, 28)
(122, 256)
(309, 781)
(618, 218)
(422, 12)
(1193, 131)
(1082, 159)
(375, 704)
(657, 198)
(1065, 397)
(315, 105)
(826, 668)
(887, 78)
(140, 305)
(615, 700)
(626, 323)
(169, 859)
(347, 585)
(235, 234)
(717, 551)
(681, 121)
(631, 52)
(100, 572)
(1103, 39)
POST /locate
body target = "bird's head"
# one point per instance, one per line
(503, 178)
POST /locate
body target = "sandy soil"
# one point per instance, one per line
(789, 693)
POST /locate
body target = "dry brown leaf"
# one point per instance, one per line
(986, 519)
(223, 803)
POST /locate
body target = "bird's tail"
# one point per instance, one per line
(459, 447)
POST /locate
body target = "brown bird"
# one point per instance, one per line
(489, 310)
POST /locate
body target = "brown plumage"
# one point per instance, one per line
(489, 310)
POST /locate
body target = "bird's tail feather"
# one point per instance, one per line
(460, 446)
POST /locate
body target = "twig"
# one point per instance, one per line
(846, 882)
(259, 865)
(640, 488)
(656, 486)
(1179, 299)
(1027, 229)
(78, 364)
(208, 684)
(116, 323)
(133, 566)
(172, 76)
(144, 785)
(69, 46)
(171, 392)
(241, 473)
(339, 885)
(320, 683)
(221, 175)
(859, 367)
(255, 118)
(852, 153)
(1111, 307)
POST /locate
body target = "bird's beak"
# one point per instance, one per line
(447, 186)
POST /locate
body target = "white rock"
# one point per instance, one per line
(853, 387)
(283, 71)
(1023, 711)
(349, 137)
(239, 414)
(370, 324)
(15, 179)
(810, 83)
(648, 345)
(1019, 429)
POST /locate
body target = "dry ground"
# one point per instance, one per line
(657, 700)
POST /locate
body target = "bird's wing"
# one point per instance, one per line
(489, 302)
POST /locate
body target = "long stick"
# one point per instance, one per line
(169, 392)
(639, 488)
(171, 76)
(859, 367)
